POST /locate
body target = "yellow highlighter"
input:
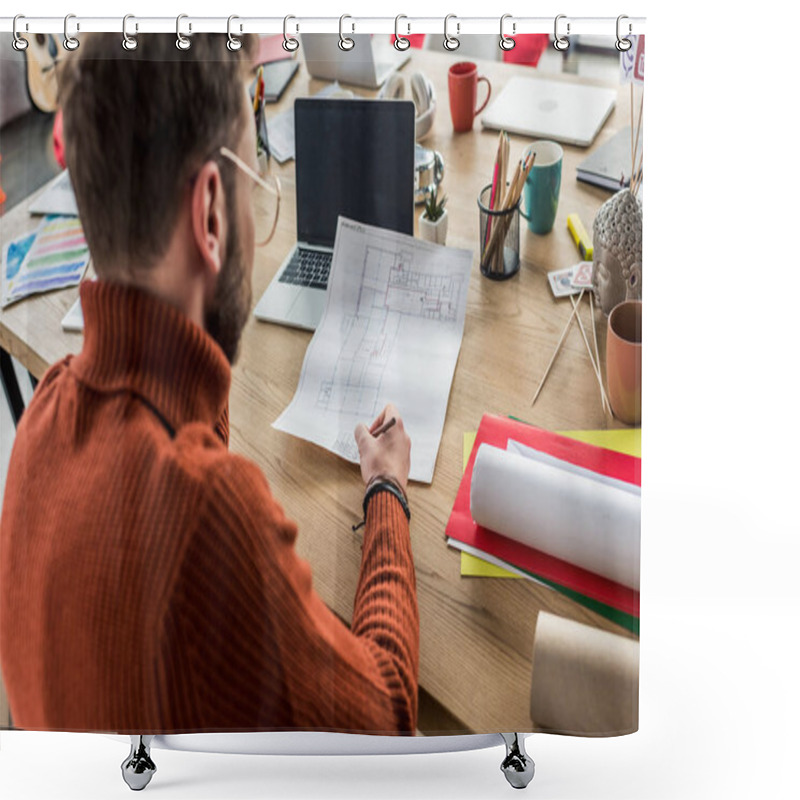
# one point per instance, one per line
(581, 237)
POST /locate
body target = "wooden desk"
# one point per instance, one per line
(476, 634)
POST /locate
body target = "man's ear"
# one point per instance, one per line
(209, 218)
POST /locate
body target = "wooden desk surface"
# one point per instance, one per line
(476, 634)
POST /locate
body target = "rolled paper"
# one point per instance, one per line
(584, 680)
(565, 511)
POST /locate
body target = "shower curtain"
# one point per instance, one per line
(175, 556)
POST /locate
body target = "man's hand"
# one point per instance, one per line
(385, 455)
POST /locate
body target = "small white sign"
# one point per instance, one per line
(631, 62)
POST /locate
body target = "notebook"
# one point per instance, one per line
(609, 165)
(572, 113)
(277, 76)
(370, 179)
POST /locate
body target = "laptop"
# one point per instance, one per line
(572, 113)
(368, 64)
(354, 158)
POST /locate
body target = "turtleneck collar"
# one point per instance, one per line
(133, 341)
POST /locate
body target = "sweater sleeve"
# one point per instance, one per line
(249, 645)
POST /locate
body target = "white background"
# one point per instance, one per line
(719, 678)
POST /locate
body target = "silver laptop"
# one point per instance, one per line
(567, 112)
(369, 63)
(354, 158)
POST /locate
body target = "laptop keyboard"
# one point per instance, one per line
(308, 268)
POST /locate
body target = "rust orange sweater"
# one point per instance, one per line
(148, 578)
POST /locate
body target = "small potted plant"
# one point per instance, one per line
(433, 222)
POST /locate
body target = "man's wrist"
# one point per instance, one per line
(390, 486)
(386, 479)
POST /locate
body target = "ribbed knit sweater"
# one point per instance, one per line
(148, 578)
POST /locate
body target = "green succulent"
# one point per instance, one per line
(434, 207)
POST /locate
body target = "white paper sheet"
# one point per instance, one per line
(572, 515)
(57, 199)
(73, 319)
(391, 332)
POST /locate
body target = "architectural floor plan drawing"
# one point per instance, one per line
(391, 289)
(391, 332)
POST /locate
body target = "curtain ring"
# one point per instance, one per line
(560, 43)
(182, 43)
(128, 42)
(400, 42)
(623, 44)
(506, 42)
(451, 43)
(19, 43)
(234, 44)
(290, 44)
(345, 42)
(70, 42)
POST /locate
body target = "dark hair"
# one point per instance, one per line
(137, 126)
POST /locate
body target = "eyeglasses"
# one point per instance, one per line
(266, 198)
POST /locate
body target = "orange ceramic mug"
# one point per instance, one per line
(462, 83)
(624, 361)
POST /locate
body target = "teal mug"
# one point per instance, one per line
(542, 186)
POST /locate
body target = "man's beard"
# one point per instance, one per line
(225, 318)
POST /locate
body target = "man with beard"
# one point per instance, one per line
(148, 577)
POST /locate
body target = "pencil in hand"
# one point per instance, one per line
(385, 427)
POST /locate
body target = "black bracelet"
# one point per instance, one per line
(383, 486)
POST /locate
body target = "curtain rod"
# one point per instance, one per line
(452, 25)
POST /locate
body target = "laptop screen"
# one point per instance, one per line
(354, 158)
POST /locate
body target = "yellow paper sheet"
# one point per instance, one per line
(624, 440)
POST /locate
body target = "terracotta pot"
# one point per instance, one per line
(624, 361)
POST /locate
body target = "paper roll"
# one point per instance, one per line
(584, 680)
(564, 511)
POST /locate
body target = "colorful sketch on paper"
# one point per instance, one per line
(53, 257)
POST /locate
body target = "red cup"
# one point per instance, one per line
(462, 82)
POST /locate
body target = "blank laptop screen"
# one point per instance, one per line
(354, 158)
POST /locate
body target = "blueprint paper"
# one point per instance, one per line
(391, 332)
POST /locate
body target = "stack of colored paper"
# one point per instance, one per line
(487, 553)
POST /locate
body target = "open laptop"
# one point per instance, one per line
(354, 158)
(369, 63)
(572, 113)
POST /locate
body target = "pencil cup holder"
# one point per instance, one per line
(499, 231)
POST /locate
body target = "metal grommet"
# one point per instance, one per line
(451, 43)
(623, 44)
(19, 43)
(400, 42)
(345, 42)
(182, 42)
(506, 42)
(289, 44)
(560, 43)
(129, 42)
(234, 44)
(70, 42)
